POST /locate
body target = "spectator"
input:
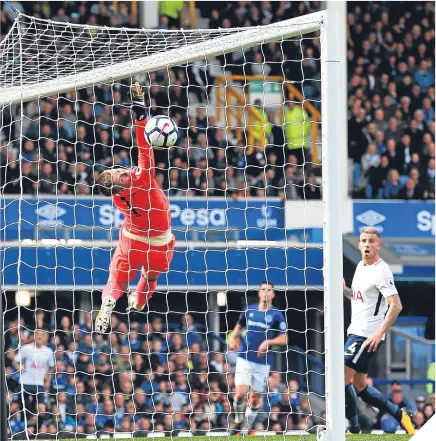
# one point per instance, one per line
(380, 142)
(262, 128)
(393, 186)
(370, 159)
(29, 183)
(419, 420)
(415, 175)
(311, 190)
(28, 150)
(47, 179)
(424, 77)
(377, 178)
(396, 387)
(61, 16)
(393, 131)
(415, 163)
(420, 402)
(380, 121)
(429, 411)
(428, 110)
(290, 184)
(201, 79)
(410, 191)
(218, 362)
(171, 10)
(297, 127)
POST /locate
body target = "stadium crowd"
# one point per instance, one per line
(142, 378)
(69, 141)
(149, 377)
(391, 99)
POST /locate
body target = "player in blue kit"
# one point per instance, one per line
(265, 327)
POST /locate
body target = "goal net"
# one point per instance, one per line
(251, 156)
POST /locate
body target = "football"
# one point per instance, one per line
(161, 131)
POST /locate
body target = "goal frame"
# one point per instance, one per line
(327, 22)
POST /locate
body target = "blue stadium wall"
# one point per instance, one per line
(75, 261)
(79, 234)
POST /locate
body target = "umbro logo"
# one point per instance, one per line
(370, 218)
(50, 211)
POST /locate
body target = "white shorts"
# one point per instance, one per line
(251, 374)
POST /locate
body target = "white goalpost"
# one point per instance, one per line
(56, 234)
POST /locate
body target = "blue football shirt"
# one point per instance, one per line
(260, 326)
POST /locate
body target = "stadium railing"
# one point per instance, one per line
(407, 355)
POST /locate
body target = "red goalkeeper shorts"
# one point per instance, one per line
(131, 255)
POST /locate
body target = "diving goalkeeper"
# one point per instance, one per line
(146, 241)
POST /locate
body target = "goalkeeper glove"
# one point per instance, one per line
(138, 102)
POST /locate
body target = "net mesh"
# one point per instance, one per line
(49, 49)
(248, 145)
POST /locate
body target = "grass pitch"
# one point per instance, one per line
(367, 437)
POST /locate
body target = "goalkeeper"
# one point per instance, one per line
(146, 241)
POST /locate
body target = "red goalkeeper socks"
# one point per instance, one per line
(114, 290)
(144, 291)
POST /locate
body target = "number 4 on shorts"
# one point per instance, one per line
(351, 349)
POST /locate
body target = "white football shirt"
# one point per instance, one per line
(37, 362)
(372, 284)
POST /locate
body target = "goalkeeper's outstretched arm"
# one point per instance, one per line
(113, 182)
(146, 156)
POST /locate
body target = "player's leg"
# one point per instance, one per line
(358, 359)
(351, 401)
(352, 347)
(121, 270)
(29, 394)
(242, 385)
(375, 398)
(254, 404)
(259, 380)
(144, 290)
(240, 402)
(154, 261)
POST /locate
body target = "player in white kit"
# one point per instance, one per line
(375, 305)
(36, 361)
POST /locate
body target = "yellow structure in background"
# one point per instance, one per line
(188, 15)
(192, 12)
(234, 104)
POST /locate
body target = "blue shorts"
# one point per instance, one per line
(356, 357)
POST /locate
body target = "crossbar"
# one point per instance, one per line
(162, 60)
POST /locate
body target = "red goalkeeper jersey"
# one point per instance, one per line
(145, 207)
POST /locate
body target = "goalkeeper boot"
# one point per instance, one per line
(133, 305)
(104, 315)
(353, 431)
(406, 421)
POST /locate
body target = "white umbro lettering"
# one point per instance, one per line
(258, 324)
